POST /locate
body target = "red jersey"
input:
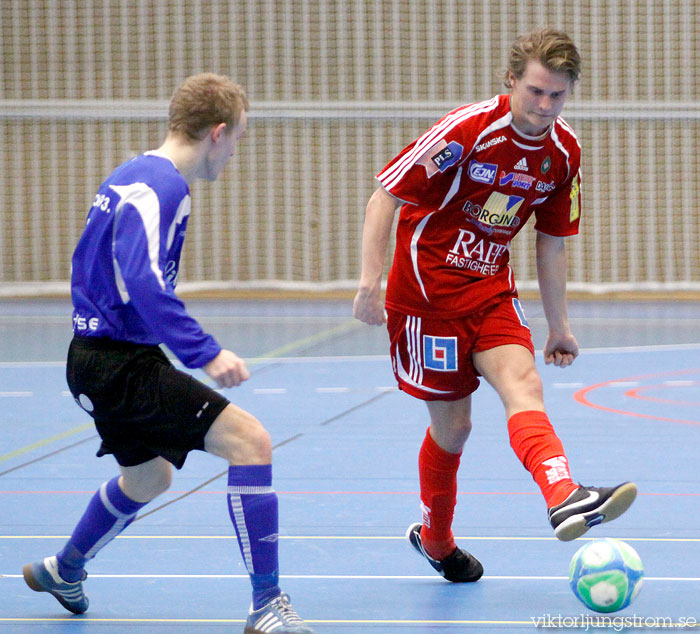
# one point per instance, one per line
(468, 185)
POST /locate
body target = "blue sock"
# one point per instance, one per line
(110, 511)
(252, 504)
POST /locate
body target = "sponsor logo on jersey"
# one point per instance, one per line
(440, 353)
(516, 179)
(171, 272)
(441, 156)
(521, 165)
(498, 211)
(448, 156)
(483, 172)
(490, 143)
(472, 253)
(544, 186)
(81, 323)
(546, 164)
(575, 211)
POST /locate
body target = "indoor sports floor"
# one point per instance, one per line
(345, 469)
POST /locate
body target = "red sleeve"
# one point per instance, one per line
(560, 214)
(423, 176)
(424, 171)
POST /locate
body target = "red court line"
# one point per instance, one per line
(581, 396)
(635, 393)
(412, 493)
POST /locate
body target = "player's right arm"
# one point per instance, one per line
(379, 219)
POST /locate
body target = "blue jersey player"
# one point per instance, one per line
(149, 414)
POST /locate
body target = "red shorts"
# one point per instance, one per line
(432, 358)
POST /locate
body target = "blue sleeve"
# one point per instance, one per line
(141, 256)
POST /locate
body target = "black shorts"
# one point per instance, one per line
(143, 406)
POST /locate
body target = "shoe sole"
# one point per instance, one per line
(577, 525)
(32, 582)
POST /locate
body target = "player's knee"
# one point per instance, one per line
(257, 444)
(147, 481)
(162, 481)
(531, 383)
(239, 437)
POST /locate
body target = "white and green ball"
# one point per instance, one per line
(606, 574)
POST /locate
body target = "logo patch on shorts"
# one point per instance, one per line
(440, 353)
(201, 411)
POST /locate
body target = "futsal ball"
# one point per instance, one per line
(606, 574)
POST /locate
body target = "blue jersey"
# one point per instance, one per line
(125, 266)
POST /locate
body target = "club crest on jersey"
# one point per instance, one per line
(440, 353)
(441, 156)
(483, 172)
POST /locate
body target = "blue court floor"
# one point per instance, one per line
(345, 469)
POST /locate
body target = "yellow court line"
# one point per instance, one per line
(316, 338)
(277, 352)
(368, 537)
(46, 441)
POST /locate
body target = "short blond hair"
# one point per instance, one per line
(203, 101)
(555, 50)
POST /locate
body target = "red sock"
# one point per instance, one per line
(539, 449)
(437, 469)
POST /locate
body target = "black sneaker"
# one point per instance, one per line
(590, 506)
(460, 566)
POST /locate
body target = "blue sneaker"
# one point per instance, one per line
(277, 616)
(42, 576)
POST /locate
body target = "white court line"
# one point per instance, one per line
(372, 538)
(15, 394)
(384, 357)
(348, 577)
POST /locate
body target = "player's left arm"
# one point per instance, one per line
(561, 347)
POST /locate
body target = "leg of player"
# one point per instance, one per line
(573, 509)
(111, 510)
(239, 438)
(438, 462)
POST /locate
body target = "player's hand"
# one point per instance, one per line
(227, 369)
(368, 307)
(561, 350)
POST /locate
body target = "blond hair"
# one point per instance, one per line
(203, 101)
(555, 50)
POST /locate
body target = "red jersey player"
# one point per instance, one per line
(464, 189)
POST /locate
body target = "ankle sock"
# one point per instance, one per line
(109, 512)
(437, 469)
(253, 508)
